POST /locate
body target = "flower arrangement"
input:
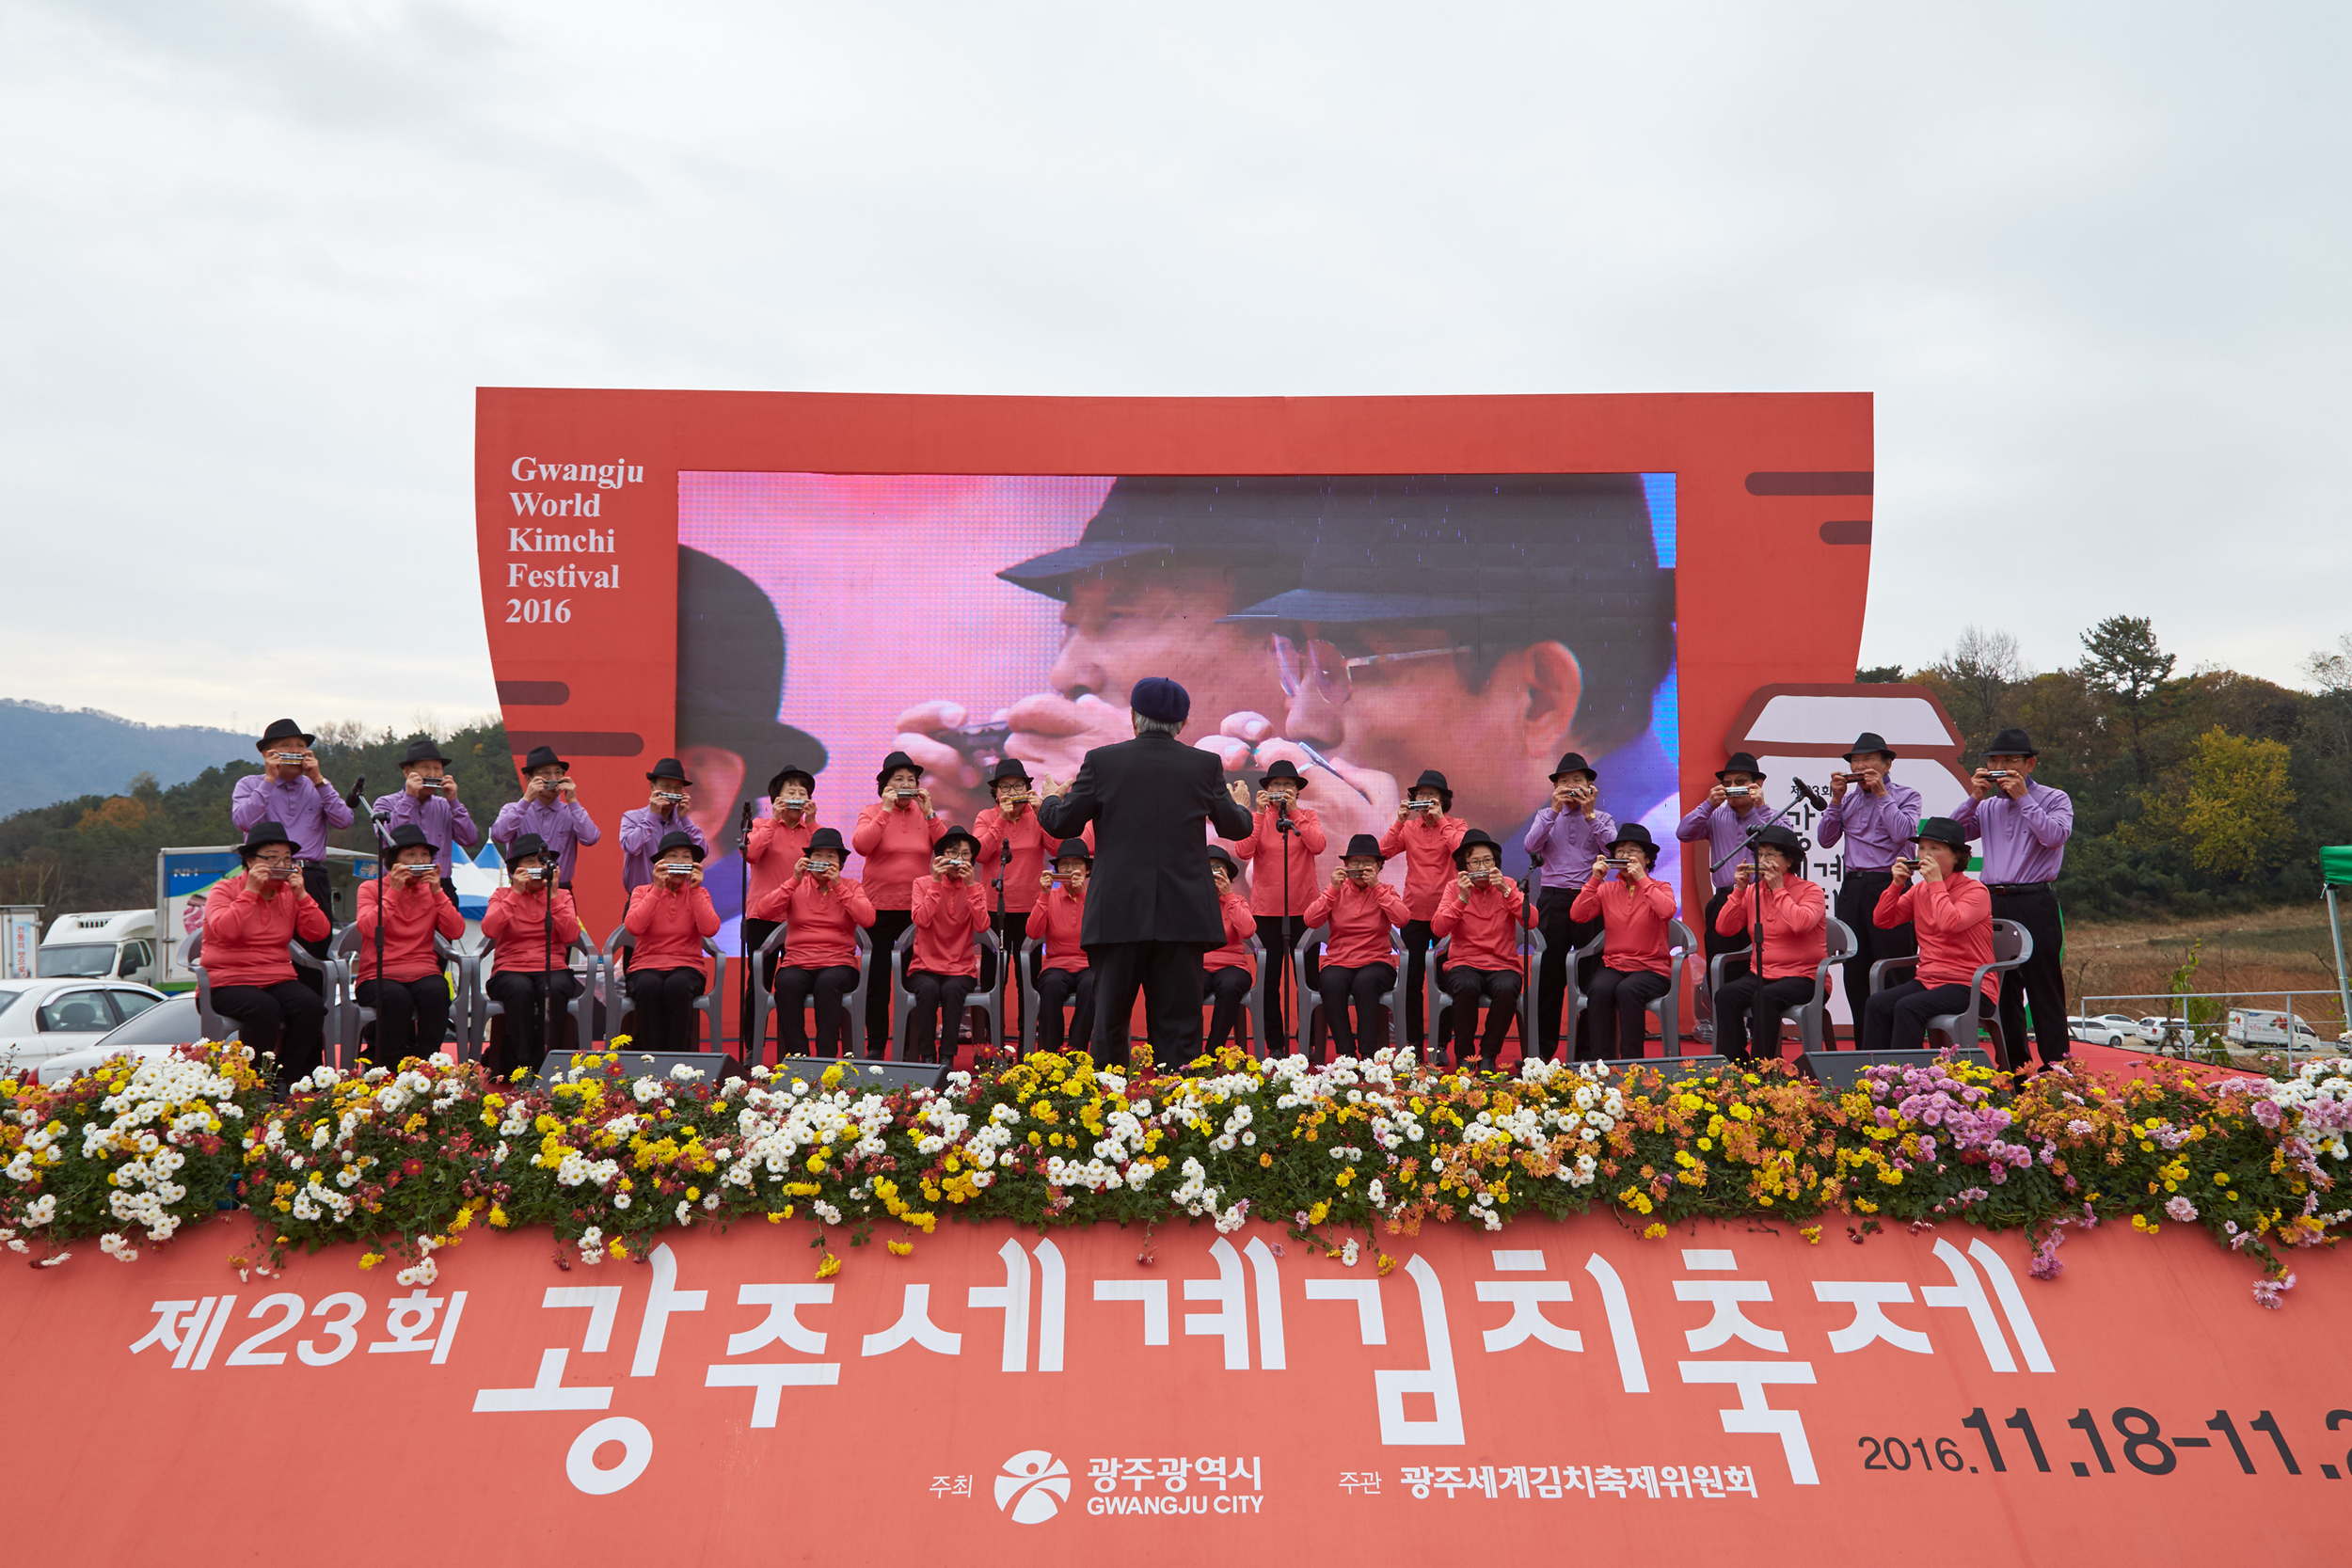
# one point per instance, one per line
(1342, 1153)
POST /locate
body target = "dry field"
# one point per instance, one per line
(2243, 955)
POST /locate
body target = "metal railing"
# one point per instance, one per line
(2182, 1032)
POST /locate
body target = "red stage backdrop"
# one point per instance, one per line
(1730, 1393)
(745, 580)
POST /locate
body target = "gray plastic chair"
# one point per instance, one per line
(710, 1032)
(1667, 1009)
(1440, 1004)
(2013, 944)
(212, 1024)
(764, 999)
(346, 1016)
(991, 1002)
(1310, 998)
(580, 957)
(1812, 1016)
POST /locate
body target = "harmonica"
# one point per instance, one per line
(1420, 805)
(529, 872)
(287, 756)
(2001, 773)
(553, 785)
(1480, 876)
(1739, 792)
(906, 794)
(676, 868)
(788, 803)
(280, 873)
(1907, 864)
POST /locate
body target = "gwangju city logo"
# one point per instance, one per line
(1033, 1487)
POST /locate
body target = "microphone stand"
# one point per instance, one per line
(742, 918)
(1004, 952)
(1527, 958)
(1283, 825)
(383, 875)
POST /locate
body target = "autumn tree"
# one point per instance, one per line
(2236, 815)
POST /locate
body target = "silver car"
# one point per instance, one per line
(152, 1033)
(58, 1014)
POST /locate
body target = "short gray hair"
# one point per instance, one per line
(1154, 726)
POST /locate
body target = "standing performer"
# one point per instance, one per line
(1567, 835)
(1953, 915)
(1876, 817)
(664, 812)
(1281, 863)
(1361, 910)
(1426, 834)
(1150, 906)
(773, 850)
(670, 916)
(1230, 971)
(1482, 916)
(291, 791)
(1796, 939)
(1011, 822)
(247, 927)
(410, 994)
(428, 799)
(2024, 827)
(551, 811)
(894, 835)
(950, 910)
(1058, 920)
(1733, 806)
(822, 911)
(530, 925)
(1635, 910)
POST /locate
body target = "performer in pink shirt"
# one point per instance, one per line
(1267, 849)
(247, 925)
(822, 911)
(896, 834)
(1796, 938)
(670, 917)
(1426, 834)
(951, 911)
(530, 926)
(410, 994)
(1953, 913)
(1230, 970)
(1358, 963)
(1634, 909)
(1483, 914)
(1063, 975)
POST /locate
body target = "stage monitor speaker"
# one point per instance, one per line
(713, 1064)
(884, 1076)
(1840, 1068)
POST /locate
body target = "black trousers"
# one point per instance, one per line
(1897, 1018)
(1278, 974)
(288, 1018)
(1715, 941)
(1169, 975)
(2040, 981)
(523, 992)
(411, 1016)
(1857, 899)
(664, 1000)
(1054, 987)
(929, 998)
(1500, 990)
(828, 986)
(1227, 988)
(315, 882)
(1417, 936)
(1364, 987)
(1552, 974)
(754, 933)
(1749, 1009)
(1619, 999)
(889, 925)
(1012, 930)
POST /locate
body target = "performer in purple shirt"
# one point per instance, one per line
(1567, 834)
(428, 799)
(1876, 819)
(291, 791)
(2024, 827)
(1733, 806)
(664, 810)
(551, 808)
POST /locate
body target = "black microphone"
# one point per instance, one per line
(1811, 794)
(358, 784)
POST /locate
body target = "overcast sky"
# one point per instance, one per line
(2090, 259)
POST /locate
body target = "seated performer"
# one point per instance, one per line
(1361, 910)
(1426, 835)
(645, 829)
(1953, 913)
(951, 911)
(777, 844)
(550, 811)
(410, 994)
(670, 916)
(1482, 912)
(247, 925)
(1230, 970)
(822, 913)
(1634, 910)
(1796, 938)
(530, 924)
(1063, 976)
(896, 834)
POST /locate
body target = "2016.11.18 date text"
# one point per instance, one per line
(2139, 1437)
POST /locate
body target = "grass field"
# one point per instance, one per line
(2245, 956)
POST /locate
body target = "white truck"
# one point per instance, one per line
(106, 944)
(2263, 1026)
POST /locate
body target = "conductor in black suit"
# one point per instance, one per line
(1151, 907)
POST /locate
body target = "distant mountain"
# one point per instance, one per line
(55, 753)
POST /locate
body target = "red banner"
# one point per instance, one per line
(1003, 1395)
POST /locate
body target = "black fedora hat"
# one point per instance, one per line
(670, 767)
(1472, 840)
(808, 780)
(1009, 771)
(423, 749)
(677, 838)
(1741, 762)
(1867, 742)
(955, 835)
(407, 836)
(2012, 743)
(543, 756)
(1224, 857)
(1431, 778)
(892, 762)
(528, 846)
(262, 834)
(281, 729)
(1944, 831)
(1633, 833)
(1260, 526)
(1573, 762)
(730, 668)
(1363, 844)
(1282, 768)
(1072, 848)
(827, 838)
(1783, 839)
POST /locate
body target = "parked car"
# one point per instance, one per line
(151, 1032)
(2116, 1021)
(50, 1015)
(2099, 1031)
